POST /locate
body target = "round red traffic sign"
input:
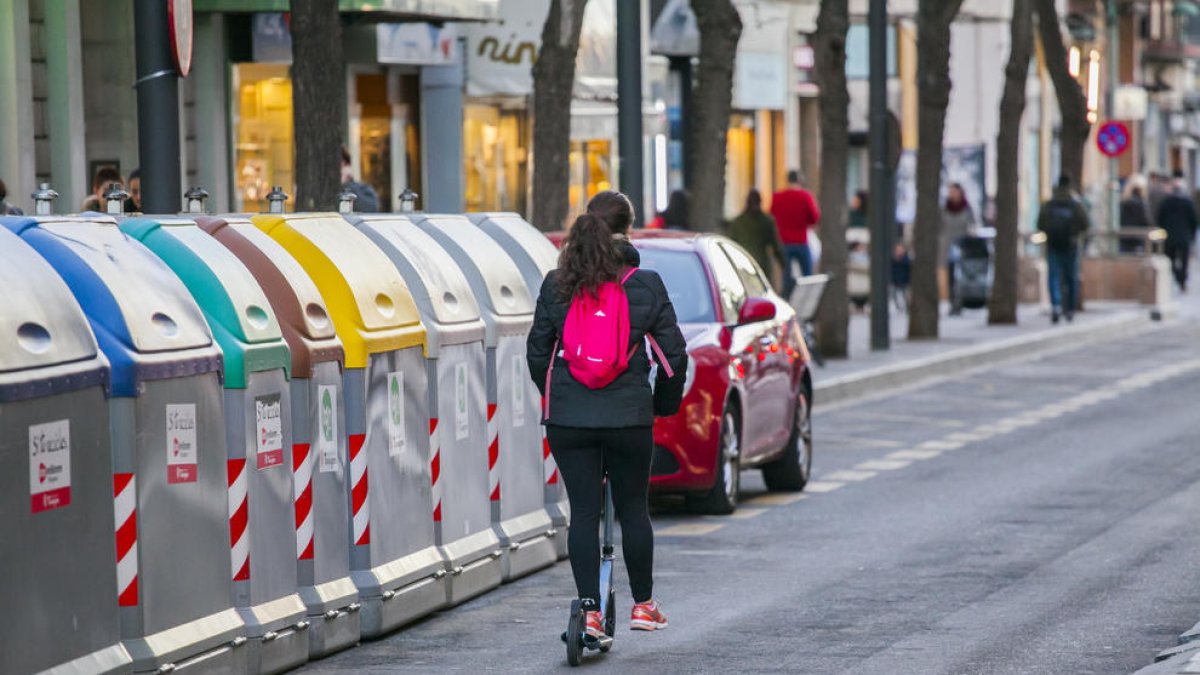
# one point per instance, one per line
(1113, 139)
(179, 20)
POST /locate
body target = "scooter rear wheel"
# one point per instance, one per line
(574, 636)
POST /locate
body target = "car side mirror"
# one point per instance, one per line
(755, 310)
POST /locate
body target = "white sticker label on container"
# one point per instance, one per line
(396, 437)
(327, 446)
(268, 415)
(50, 465)
(181, 442)
(519, 383)
(461, 426)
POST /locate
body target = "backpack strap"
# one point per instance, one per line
(549, 373)
(628, 274)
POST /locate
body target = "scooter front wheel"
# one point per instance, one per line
(574, 635)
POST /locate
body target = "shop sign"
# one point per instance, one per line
(422, 44)
(1130, 103)
(760, 81)
(271, 38)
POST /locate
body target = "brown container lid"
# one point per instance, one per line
(294, 297)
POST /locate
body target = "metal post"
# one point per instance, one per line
(408, 201)
(1114, 164)
(158, 108)
(881, 257)
(629, 102)
(276, 199)
(346, 201)
(195, 199)
(43, 200)
(683, 66)
(114, 200)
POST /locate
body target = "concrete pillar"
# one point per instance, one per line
(441, 138)
(16, 104)
(209, 78)
(64, 65)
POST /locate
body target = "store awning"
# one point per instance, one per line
(432, 10)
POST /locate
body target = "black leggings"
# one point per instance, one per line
(583, 455)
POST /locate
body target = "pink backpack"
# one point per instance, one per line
(595, 336)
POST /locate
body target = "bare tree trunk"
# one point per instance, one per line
(720, 28)
(1002, 308)
(319, 101)
(1072, 103)
(553, 82)
(830, 51)
(933, 84)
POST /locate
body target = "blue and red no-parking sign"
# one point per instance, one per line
(1113, 139)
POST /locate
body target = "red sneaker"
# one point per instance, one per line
(595, 625)
(647, 616)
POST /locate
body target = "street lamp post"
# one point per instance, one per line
(881, 218)
(158, 108)
(1114, 165)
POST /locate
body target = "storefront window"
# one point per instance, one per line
(740, 165)
(591, 172)
(265, 146)
(495, 157)
(375, 136)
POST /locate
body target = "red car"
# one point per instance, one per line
(748, 398)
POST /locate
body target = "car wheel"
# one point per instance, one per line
(790, 472)
(723, 497)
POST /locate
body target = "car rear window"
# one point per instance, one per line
(686, 282)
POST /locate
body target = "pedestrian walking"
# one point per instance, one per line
(1064, 221)
(1177, 215)
(1154, 195)
(105, 178)
(857, 216)
(901, 276)
(858, 275)
(607, 429)
(366, 200)
(958, 221)
(7, 209)
(755, 230)
(796, 212)
(1135, 213)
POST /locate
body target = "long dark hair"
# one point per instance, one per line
(676, 216)
(754, 202)
(591, 254)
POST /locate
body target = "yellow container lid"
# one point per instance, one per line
(371, 307)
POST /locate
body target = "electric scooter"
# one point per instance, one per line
(576, 635)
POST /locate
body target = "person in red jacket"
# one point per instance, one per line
(795, 212)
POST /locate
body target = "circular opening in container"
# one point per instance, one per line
(507, 295)
(316, 315)
(450, 302)
(385, 305)
(257, 317)
(33, 338)
(165, 324)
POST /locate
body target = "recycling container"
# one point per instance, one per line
(319, 466)
(56, 508)
(527, 535)
(258, 435)
(467, 481)
(535, 256)
(394, 560)
(167, 430)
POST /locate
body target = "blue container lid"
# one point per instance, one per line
(46, 345)
(143, 317)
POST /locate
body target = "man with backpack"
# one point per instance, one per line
(1177, 215)
(1064, 221)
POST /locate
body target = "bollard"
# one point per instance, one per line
(276, 198)
(114, 200)
(346, 202)
(43, 200)
(408, 201)
(195, 199)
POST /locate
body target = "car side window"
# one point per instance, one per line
(729, 284)
(747, 271)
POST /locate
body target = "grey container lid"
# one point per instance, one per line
(479, 254)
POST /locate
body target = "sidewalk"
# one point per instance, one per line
(966, 342)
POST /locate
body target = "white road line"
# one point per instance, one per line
(849, 476)
(882, 465)
(777, 499)
(859, 441)
(967, 437)
(744, 513)
(914, 454)
(689, 530)
(941, 445)
(818, 487)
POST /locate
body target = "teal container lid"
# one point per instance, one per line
(235, 306)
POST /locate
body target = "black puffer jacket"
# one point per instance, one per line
(628, 400)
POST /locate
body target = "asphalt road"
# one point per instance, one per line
(1037, 517)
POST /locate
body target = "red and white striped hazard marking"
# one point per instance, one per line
(239, 520)
(549, 468)
(493, 453)
(302, 471)
(125, 509)
(435, 469)
(358, 493)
